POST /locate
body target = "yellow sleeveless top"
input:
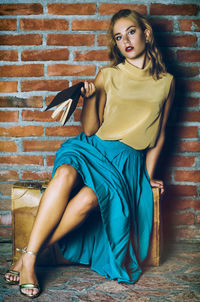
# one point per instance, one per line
(134, 105)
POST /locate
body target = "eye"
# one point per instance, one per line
(131, 32)
(118, 38)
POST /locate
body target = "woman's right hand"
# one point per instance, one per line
(88, 90)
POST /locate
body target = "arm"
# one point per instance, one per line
(93, 106)
(153, 154)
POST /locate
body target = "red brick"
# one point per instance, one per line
(28, 39)
(29, 175)
(181, 190)
(97, 55)
(44, 24)
(71, 70)
(41, 145)
(29, 70)
(21, 160)
(182, 161)
(188, 146)
(90, 24)
(111, 8)
(102, 40)
(71, 9)
(198, 219)
(183, 219)
(6, 86)
(8, 55)
(183, 204)
(8, 175)
(160, 25)
(188, 55)
(8, 24)
(190, 116)
(63, 131)
(5, 219)
(187, 131)
(70, 40)
(36, 115)
(189, 24)
(185, 71)
(178, 41)
(189, 102)
(50, 160)
(21, 131)
(49, 99)
(21, 9)
(12, 101)
(44, 85)
(77, 115)
(182, 175)
(75, 81)
(173, 9)
(45, 55)
(8, 146)
(191, 85)
(9, 116)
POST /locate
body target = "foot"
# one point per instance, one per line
(28, 276)
(14, 277)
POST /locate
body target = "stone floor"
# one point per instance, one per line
(177, 279)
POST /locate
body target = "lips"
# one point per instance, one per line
(129, 48)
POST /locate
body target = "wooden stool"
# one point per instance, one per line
(25, 200)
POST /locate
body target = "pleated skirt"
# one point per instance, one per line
(114, 238)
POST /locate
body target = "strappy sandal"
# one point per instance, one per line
(13, 273)
(29, 285)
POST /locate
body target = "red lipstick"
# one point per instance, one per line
(129, 48)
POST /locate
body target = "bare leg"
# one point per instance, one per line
(75, 213)
(55, 197)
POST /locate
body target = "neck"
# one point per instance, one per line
(140, 62)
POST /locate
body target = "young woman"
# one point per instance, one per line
(109, 167)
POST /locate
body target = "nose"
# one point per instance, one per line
(126, 38)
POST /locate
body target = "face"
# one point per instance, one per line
(130, 39)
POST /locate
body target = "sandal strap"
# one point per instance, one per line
(30, 286)
(11, 271)
(24, 251)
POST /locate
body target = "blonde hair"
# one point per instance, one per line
(153, 53)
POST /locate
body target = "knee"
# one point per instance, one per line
(88, 200)
(66, 172)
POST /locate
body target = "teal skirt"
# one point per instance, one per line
(114, 239)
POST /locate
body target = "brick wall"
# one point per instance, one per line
(48, 45)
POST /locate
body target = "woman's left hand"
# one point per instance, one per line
(158, 184)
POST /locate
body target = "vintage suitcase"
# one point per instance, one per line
(25, 201)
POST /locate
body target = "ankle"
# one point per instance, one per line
(29, 259)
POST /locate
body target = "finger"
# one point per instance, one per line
(86, 86)
(162, 191)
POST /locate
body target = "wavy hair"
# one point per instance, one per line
(153, 53)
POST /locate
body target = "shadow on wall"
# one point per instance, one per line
(168, 200)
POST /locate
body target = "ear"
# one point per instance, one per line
(147, 33)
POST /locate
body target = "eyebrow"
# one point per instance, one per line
(126, 30)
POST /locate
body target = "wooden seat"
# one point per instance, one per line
(25, 201)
